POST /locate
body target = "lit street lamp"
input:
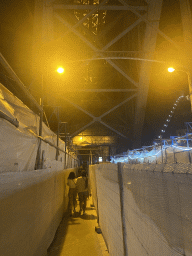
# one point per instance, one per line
(171, 69)
(60, 70)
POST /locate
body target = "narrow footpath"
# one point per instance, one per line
(76, 236)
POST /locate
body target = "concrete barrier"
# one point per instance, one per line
(32, 206)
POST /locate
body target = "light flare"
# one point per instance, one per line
(171, 69)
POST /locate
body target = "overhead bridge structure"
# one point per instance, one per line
(108, 49)
(115, 53)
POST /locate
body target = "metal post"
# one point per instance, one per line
(188, 147)
(190, 87)
(175, 160)
(161, 150)
(91, 158)
(120, 181)
(65, 147)
(38, 158)
(58, 131)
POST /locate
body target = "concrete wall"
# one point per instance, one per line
(31, 208)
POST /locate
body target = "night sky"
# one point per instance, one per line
(16, 19)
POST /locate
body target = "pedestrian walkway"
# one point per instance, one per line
(76, 236)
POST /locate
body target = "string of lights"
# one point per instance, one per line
(167, 122)
(176, 144)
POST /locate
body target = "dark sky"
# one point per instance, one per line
(16, 29)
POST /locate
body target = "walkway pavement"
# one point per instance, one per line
(76, 236)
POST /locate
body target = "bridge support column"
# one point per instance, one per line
(154, 12)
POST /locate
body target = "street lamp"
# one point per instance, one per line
(171, 69)
(60, 70)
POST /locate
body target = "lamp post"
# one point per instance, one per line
(171, 69)
(38, 158)
(60, 70)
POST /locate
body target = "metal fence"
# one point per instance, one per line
(174, 150)
(144, 209)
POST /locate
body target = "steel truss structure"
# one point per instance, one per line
(109, 47)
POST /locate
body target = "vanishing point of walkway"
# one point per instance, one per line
(76, 236)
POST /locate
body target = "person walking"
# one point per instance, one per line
(71, 182)
(83, 191)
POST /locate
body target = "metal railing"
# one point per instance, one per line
(158, 152)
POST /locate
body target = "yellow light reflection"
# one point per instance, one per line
(171, 69)
(60, 70)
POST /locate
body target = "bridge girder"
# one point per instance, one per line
(93, 25)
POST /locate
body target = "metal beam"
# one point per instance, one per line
(101, 90)
(117, 106)
(122, 135)
(149, 47)
(80, 108)
(122, 72)
(95, 49)
(187, 24)
(21, 86)
(98, 7)
(151, 24)
(102, 52)
(109, 26)
(95, 9)
(106, 113)
(132, 26)
(79, 22)
(114, 41)
(131, 8)
(98, 119)
(47, 22)
(82, 128)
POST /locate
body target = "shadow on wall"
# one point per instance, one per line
(63, 226)
(59, 239)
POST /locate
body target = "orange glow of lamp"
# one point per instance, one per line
(171, 69)
(60, 70)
